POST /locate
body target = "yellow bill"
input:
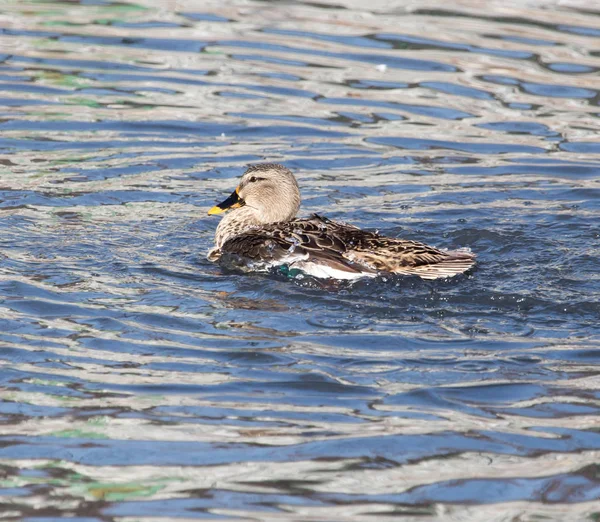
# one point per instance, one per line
(233, 201)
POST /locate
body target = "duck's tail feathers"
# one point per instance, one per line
(456, 263)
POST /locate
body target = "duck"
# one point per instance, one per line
(260, 231)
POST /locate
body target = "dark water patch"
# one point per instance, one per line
(520, 127)
(457, 90)
(295, 119)
(204, 17)
(145, 25)
(579, 30)
(85, 198)
(540, 89)
(514, 20)
(79, 63)
(395, 62)
(418, 43)
(36, 89)
(376, 84)
(565, 171)
(423, 110)
(272, 60)
(203, 502)
(581, 147)
(571, 68)
(480, 148)
(158, 77)
(176, 45)
(523, 40)
(354, 41)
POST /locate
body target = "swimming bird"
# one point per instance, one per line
(261, 231)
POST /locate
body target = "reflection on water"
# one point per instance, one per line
(141, 382)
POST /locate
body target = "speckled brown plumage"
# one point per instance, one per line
(318, 241)
(345, 247)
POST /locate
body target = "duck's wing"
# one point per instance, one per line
(307, 241)
(397, 256)
(402, 256)
(339, 246)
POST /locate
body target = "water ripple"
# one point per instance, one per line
(142, 381)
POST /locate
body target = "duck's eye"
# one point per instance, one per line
(253, 179)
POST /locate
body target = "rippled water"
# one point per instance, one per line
(141, 382)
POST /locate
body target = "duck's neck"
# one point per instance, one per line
(236, 222)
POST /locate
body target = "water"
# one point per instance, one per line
(141, 382)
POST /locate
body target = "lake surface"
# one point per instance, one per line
(141, 382)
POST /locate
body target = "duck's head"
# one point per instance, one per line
(268, 191)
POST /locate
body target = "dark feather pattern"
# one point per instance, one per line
(345, 248)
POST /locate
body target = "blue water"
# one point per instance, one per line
(142, 382)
